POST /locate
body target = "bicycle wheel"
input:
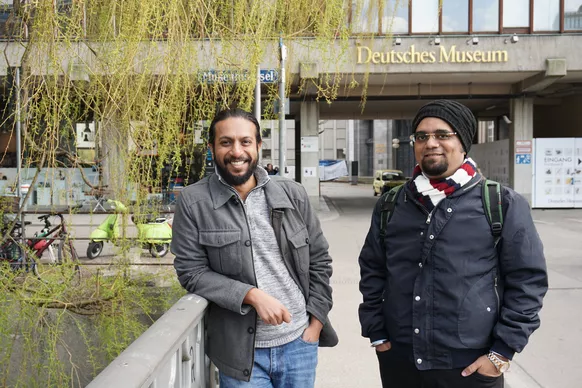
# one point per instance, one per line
(15, 254)
(67, 256)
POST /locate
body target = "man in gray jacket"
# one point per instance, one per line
(251, 244)
(449, 297)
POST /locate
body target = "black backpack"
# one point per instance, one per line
(493, 209)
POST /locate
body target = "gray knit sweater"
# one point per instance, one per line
(271, 272)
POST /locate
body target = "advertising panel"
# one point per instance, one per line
(558, 173)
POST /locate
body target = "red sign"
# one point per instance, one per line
(523, 147)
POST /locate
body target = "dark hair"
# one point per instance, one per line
(228, 113)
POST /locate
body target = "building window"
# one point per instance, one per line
(395, 17)
(455, 15)
(572, 15)
(516, 14)
(6, 5)
(266, 153)
(365, 16)
(546, 15)
(485, 15)
(400, 17)
(425, 16)
(340, 154)
(266, 133)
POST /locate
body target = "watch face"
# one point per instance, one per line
(504, 367)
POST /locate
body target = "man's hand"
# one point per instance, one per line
(483, 366)
(269, 309)
(311, 334)
(386, 346)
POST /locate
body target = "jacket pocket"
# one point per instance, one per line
(478, 313)
(224, 250)
(300, 250)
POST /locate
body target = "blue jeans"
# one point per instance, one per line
(287, 366)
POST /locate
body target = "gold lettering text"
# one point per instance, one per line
(376, 57)
(368, 54)
(447, 57)
(415, 55)
(500, 56)
(477, 56)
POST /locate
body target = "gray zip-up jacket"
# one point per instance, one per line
(214, 259)
(441, 291)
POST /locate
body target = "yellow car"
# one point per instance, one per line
(384, 180)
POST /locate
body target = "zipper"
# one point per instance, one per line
(471, 186)
(496, 293)
(429, 217)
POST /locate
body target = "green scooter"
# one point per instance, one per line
(153, 233)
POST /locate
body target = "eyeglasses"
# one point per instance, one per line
(439, 135)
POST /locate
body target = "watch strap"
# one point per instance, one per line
(497, 361)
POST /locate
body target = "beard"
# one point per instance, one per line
(236, 180)
(432, 168)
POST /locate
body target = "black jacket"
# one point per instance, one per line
(441, 292)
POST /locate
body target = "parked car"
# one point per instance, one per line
(384, 180)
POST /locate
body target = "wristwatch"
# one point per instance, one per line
(378, 343)
(501, 365)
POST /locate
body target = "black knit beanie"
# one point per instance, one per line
(457, 115)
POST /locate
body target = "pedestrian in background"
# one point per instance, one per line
(270, 170)
(252, 245)
(448, 295)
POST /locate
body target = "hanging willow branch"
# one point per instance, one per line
(131, 70)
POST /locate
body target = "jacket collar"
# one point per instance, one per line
(221, 192)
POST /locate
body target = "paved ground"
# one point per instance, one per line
(549, 361)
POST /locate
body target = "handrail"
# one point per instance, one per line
(169, 354)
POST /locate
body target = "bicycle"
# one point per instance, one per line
(10, 249)
(42, 242)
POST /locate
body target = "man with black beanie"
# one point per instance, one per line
(452, 270)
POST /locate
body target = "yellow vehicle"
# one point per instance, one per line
(384, 180)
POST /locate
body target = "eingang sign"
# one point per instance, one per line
(444, 55)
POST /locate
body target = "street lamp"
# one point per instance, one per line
(282, 128)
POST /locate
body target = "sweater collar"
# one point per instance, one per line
(221, 192)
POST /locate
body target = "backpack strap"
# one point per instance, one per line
(492, 204)
(388, 202)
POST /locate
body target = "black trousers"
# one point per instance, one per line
(399, 372)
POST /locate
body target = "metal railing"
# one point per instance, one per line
(169, 354)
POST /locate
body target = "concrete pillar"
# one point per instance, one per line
(389, 150)
(113, 136)
(309, 113)
(521, 128)
(380, 130)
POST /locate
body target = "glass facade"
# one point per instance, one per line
(395, 17)
(365, 16)
(485, 15)
(401, 17)
(455, 15)
(546, 15)
(572, 15)
(465, 16)
(516, 13)
(425, 16)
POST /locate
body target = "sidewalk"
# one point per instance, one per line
(549, 361)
